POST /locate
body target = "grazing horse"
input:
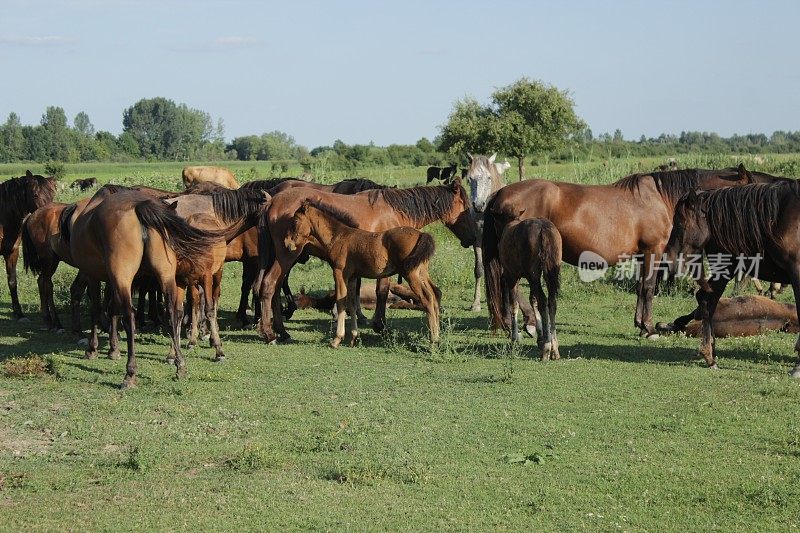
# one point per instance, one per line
(485, 179)
(353, 253)
(740, 316)
(84, 184)
(375, 210)
(18, 197)
(219, 175)
(529, 249)
(760, 220)
(433, 173)
(119, 236)
(630, 217)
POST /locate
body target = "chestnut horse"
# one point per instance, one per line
(18, 197)
(353, 253)
(616, 221)
(529, 249)
(761, 220)
(374, 210)
(119, 236)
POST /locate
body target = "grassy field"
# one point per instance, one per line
(620, 434)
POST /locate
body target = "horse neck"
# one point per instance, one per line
(326, 230)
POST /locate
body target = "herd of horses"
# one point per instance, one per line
(168, 245)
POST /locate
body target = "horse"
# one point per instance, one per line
(400, 297)
(19, 197)
(448, 173)
(740, 316)
(119, 236)
(485, 178)
(628, 218)
(374, 210)
(433, 173)
(354, 253)
(219, 175)
(759, 221)
(83, 184)
(529, 249)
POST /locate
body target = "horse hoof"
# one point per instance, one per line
(795, 373)
(714, 367)
(128, 383)
(335, 343)
(91, 355)
(530, 330)
(180, 373)
(475, 308)
(653, 337)
(665, 327)
(114, 355)
(169, 361)
(219, 359)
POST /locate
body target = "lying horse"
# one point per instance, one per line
(740, 316)
(529, 249)
(400, 297)
(219, 175)
(761, 220)
(354, 253)
(84, 184)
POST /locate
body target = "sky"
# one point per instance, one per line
(389, 72)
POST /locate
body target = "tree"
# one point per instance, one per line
(469, 128)
(166, 130)
(57, 135)
(83, 125)
(534, 117)
(12, 141)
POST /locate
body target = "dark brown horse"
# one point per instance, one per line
(529, 249)
(755, 221)
(18, 197)
(375, 210)
(83, 184)
(629, 217)
(354, 253)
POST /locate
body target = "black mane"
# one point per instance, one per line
(334, 212)
(671, 184)
(424, 204)
(231, 205)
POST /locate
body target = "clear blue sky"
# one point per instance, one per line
(390, 71)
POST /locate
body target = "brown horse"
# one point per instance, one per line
(375, 210)
(761, 220)
(354, 253)
(18, 197)
(617, 221)
(740, 316)
(529, 249)
(400, 297)
(119, 236)
(219, 175)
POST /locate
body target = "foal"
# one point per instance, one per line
(529, 249)
(354, 253)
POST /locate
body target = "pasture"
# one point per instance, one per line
(621, 433)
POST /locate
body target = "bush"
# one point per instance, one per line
(57, 169)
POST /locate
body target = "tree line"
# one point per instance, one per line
(528, 120)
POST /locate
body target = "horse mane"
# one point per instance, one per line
(264, 185)
(741, 219)
(356, 185)
(63, 221)
(23, 195)
(112, 188)
(670, 184)
(231, 205)
(334, 212)
(424, 204)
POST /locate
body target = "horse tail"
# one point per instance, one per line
(30, 252)
(550, 255)
(493, 270)
(266, 249)
(423, 250)
(64, 221)
(187, 242)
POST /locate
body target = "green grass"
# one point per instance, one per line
(622, 433)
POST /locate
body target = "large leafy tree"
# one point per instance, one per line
(12, 141)
(523, 118)
(56, 133)
(166, 130)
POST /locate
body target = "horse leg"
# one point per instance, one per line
(352, 295)
(194, 316)
(291, 306)
(381, 297)
(122, 304)
(679, 324)
(478, 271)
(50, 298)
(341, 307)
(174, 296)
(47, 322)
(707, 298)
(141, 294)
(650, 271)
(113, 330)
(795, 373)
(94, 312)
(269, 284)
(11, 275)
(546, 341)
(212, 292)
(76, 292)
(361, 317)
(509, 286)
(514, 315)
(552, 307)
(249, 273)
(417, 285)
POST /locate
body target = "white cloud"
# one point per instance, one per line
(47, 40)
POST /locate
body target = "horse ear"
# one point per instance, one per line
(470, 156)
(28, 173)
(267, 196)
(455, 182)
(494, 156)
(744, 175)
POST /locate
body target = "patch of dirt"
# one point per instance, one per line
(20, 446)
